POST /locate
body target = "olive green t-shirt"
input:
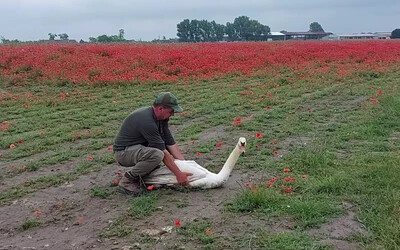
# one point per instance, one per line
(142, 127)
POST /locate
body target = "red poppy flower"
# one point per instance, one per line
(115, 181)
(372, 87)
(110, 148)
(293, 179)
(259, 135)
(246, 184)
(26, 182)
(198, 153)
(80, 219)
(177, 223)
(286, 170)
(269, 184)
(208, 231)
(268, 108)
(99, 131)
(41, 133)
(151, 187)
(288, 190)
(219, 144)
(276, 152)
(304, 176)
(378, 93)
(237, 121)
(38, 212)
(90, 158)
(20, 141)
(374, 100)
(12, 146)
(287, 179)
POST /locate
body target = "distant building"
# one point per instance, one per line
(305, 35)
(276, 36)
(365, 36)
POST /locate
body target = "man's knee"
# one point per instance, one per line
(157, 155)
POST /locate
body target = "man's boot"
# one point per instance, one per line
(130, 184)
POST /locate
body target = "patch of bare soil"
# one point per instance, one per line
(340, 229)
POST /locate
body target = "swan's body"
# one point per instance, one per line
(201, 177)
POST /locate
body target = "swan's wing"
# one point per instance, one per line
(164, 176)
(192, 167)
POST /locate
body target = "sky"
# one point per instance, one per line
(152, 19)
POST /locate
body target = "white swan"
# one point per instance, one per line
(201, 178)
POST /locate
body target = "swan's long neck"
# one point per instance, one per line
(226, 170)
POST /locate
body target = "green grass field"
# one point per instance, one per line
(342, 149)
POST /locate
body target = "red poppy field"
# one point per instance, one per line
(322, 122)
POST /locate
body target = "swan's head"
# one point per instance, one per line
(242, 144)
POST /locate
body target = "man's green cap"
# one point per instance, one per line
(169, 100)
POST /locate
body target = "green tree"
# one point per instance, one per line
(245, 29)
(184, 31)
(316, 27)
(395, 34)
(63, 36)
(121, 35)
(92, 39)
(52, 36)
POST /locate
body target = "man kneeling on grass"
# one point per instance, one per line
(144, 141)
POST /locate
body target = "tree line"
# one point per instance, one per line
(242, 29)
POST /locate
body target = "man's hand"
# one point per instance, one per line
(182, 178)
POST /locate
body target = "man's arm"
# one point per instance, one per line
(175, 152)
(181, 177)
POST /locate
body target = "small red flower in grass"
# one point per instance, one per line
(259, 135)
(288, 190)
(99, 131)
(374, 100)
(80, 219)
(63, 96)
(276, 152)
(304, 176)
(38, 212)
(177, 223)
(237, 121)
(293, 179)
(246, 184)
(268, 108)
(12, 146)
(257, 146)
(269, 184)
(378, 93)
(110, 148)
(115, 181)
(20, 141)
(219, 144)
(89, 131)
(26, 182)
(286, 170)
(90, 158)
(151, 187)
(198, 153)
(208, 232)
(287, 179)
(372, 87)
(41, 133)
